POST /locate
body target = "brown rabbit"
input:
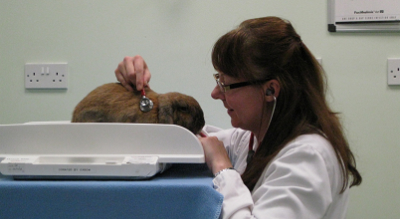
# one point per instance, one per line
(113, 103)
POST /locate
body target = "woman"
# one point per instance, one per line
(287, 156)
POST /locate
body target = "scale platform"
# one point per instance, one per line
(62, 150)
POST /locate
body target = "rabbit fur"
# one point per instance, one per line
(114, 103)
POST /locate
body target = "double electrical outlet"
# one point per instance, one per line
(394, 71)
(46, 76)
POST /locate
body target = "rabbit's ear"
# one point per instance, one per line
(165, 111)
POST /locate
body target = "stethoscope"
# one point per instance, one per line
(251, 152)
(145, 104)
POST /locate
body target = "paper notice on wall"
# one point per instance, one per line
(356, 11)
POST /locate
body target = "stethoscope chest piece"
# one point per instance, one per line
(145, 104)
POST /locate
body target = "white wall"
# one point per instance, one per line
(175, 38)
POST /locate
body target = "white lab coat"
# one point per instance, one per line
(303, 181)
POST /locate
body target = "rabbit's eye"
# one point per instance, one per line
(183, 109)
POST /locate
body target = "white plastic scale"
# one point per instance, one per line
(94, 150)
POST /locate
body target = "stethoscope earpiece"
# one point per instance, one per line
(269, 92)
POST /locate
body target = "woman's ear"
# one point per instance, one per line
(272, 89)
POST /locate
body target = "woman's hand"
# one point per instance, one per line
(215, 154)
(133, 71)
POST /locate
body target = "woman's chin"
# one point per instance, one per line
(235, 123)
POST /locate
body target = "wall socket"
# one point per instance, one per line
(46, 76)
(394, 71)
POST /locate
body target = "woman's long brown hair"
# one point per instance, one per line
(269, 47)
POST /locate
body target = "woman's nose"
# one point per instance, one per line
(216, 93)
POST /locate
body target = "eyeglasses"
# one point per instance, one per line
(224, 88)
